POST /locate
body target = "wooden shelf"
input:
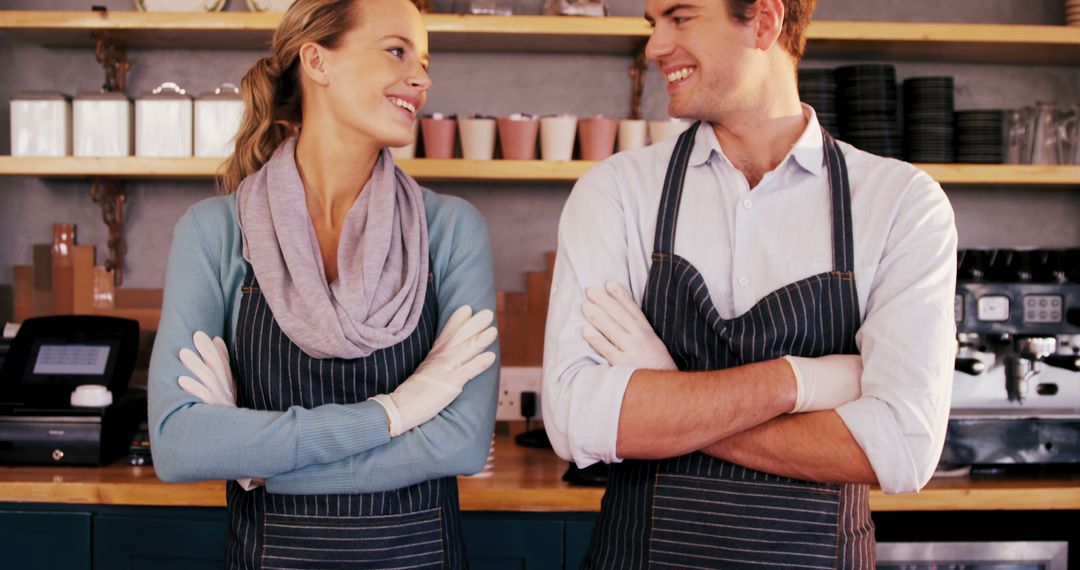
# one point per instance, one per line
(457, 170)
(990, 43)
(204, 168)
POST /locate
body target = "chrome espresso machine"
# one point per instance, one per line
(1016, 393)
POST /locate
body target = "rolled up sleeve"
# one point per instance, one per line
(582, 393)
(907, 341)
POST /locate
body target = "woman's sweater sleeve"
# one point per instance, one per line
(455, 442)
(193, 441)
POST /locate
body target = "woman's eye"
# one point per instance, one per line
(397, 52)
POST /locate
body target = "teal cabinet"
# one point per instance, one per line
(43, 540)
(101, 537)
(578, 533)
(505, 542)
(161, 539)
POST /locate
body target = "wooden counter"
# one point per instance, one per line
(518, 479)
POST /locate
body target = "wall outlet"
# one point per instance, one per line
(513, 380)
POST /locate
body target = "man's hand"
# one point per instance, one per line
(826, 382)
(620, 332)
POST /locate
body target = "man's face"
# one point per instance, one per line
(704, 55)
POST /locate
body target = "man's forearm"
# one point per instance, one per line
(667, 414)
(816, 447)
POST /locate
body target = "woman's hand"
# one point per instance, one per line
(620, 332)
(456, 357)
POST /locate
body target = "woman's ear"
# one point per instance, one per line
(313, 62)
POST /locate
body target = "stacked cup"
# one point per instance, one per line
(1072, 12)
(440, 132)
(477, 138)
(517, 136)
(597, 137)
(557, 137)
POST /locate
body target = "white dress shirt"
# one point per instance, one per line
(747, 244)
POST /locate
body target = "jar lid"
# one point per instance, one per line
(225, 91)
(39, 96)
(101, 96)
(167, 91)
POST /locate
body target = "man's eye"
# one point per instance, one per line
(680, 20)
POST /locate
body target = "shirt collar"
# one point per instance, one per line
(808, 151)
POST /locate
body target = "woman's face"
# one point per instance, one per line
(377, 79)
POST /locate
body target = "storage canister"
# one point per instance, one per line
(40, 124)
(163, 122)
(101, 124)
(217, 119)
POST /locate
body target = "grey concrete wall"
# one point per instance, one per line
(522, 217)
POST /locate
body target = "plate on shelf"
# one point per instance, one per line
(180, 5)
(269, 5)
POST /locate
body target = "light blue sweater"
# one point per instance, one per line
(332, 448)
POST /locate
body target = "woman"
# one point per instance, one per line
(345, 294)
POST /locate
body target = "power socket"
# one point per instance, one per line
(513, 380)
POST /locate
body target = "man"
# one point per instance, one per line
(706, 288)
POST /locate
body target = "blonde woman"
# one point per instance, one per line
(353, 309)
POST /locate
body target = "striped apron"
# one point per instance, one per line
(412, 527)
(696, 511)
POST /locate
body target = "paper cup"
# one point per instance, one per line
(632, 134)
(439, 135)
(517, 137)
(557, 137)
(477, 138)
(597, 137)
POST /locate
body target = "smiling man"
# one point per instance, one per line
(752, 323)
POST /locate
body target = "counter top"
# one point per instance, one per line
(517, 479)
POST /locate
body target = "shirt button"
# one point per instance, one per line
(744, 281)
(747, 203)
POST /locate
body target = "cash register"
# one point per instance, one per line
(64, 397)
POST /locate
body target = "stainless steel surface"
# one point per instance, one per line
(1051, 555)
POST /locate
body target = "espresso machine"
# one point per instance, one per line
(1016, 390)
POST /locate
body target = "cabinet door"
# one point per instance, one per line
(517, 544)
(166, 542)
(45, 540)
(578, 534)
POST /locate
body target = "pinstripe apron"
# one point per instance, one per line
(411, 527)
(696, 511)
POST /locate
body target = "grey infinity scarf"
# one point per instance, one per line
(382, 258)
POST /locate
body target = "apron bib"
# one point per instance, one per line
(696, 511)
(412, 527)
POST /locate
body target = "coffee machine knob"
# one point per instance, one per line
(972, 366)
(1066, 361)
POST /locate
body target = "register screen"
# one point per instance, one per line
(72, 359)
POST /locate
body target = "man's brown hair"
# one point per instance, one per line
(796, 19)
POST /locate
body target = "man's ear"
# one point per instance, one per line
(313, 62)
(768, 23)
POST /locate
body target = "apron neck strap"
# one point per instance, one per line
(843, 244)
(664, 241)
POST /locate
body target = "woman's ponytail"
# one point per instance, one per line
(273, 101)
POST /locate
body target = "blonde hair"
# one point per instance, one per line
(271, 88)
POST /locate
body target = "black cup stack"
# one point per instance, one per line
(817, 88)
(868, 108)
(928, 119)
(980, 137)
